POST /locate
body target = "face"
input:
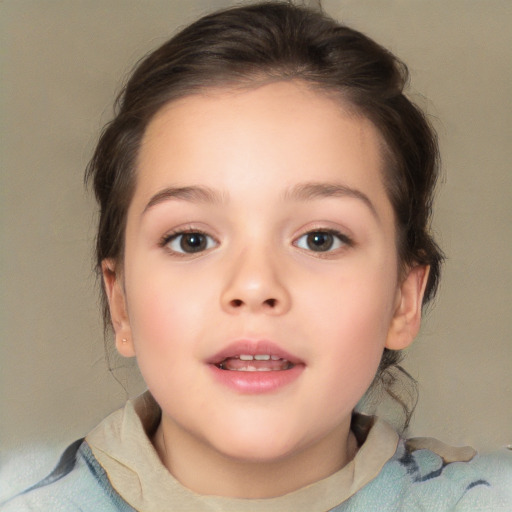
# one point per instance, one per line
(259, 285)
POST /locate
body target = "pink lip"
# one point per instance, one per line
(255, 382)
(252, 348)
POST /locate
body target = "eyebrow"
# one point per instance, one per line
(301, 192)
(193, 193)
(315, 190)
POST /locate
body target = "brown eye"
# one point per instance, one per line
(190, 243)
(319, 241)
(193, 242)
(322, 241)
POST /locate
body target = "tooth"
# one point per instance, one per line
(275, 358)
(253, 369)
(262, 357)
(246, 357)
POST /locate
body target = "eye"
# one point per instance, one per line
(322, 241)
(189, 242)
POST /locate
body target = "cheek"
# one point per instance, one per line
(171, 314)
(163, 312)
(351, 317)
(162, 337)
(359, 297)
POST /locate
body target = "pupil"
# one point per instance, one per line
(320, 241)
(193, 242)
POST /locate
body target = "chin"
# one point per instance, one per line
(262, 446)
(256, 454)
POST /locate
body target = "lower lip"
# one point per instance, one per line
(256, 382)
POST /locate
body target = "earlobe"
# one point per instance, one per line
(118, 311)
(405, 324)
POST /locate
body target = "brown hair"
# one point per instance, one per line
(277, 41)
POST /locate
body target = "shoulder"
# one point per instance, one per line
(77, 483)
(428, 472)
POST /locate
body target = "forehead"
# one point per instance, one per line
(280, 133)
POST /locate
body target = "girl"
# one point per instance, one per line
(265, 193)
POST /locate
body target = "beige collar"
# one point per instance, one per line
(121, 445)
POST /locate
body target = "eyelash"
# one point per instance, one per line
(343, 240)
(175, 235)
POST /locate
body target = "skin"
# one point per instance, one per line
(258, 278)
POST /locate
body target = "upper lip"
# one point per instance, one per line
(250, 347)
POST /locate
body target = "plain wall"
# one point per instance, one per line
(62, 63)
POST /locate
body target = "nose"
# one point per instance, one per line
(255, 284)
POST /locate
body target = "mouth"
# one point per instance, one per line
(250, 367)
(250, 356)
(255, 363)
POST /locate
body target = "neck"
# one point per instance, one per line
(204, 470)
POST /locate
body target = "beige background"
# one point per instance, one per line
(62, 61)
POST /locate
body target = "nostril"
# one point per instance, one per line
(271, 302)
(236, 303)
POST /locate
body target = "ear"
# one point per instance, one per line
(118, 312)
(407, 316)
